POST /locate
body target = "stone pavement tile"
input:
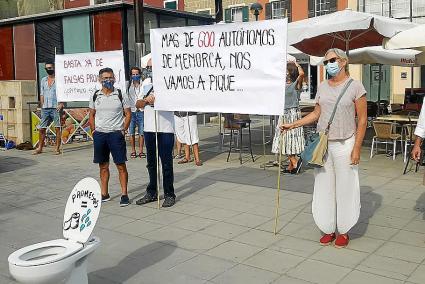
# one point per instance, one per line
(274, 261)
(373, 231)
(233, 251)
(318, 272)
(129, 245)
(218, 214)
(242, 274)
(113, 221)
(416, 226)
(167, 234)
(203, 266)
(343, 257)
(194, 223)
(166, 217)
(308, 232)
(365, 244)
(418, 276)
(198, 242)
(97, 279)
(388, 267)
(296, 246)
(248, 220)
(404, 213)
(263, 210)
(402, 251)
(138, 228)
(7, 280)
(304, 219)
(188, 208)
(404, 203)
(225, 230)
(258, 238)
(409, 238)
(157, 262)
(387, 221)
(289, 280)
(356, 277)
(225, 203)
(133, 211)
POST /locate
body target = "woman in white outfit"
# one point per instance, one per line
(336, 197)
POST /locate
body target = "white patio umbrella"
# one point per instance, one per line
(345, 29)
(412, 38)
(379, 55)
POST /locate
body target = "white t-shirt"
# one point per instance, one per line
(165, 119)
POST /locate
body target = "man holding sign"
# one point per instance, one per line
(109, 120)
(160, 127)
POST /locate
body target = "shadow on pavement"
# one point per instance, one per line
(10, 164)
(132, 264)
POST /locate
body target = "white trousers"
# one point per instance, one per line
(336, 197)
(187, 129)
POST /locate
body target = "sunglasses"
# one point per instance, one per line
(332, 60)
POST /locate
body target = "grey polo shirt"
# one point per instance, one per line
(109, 115)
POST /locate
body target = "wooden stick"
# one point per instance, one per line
(264, 144)
(278, 184)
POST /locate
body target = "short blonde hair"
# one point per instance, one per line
(341, 55)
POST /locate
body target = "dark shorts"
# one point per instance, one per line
(106, 143)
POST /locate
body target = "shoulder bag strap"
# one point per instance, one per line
(337, 102)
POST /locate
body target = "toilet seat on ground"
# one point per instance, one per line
(45, 252)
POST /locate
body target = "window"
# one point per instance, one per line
(204, 11)
(237, 14)
(278, 9)
(171, 4)
(321, 7)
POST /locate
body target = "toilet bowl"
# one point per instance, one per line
(63, 260)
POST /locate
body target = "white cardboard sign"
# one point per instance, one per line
(82, 210)
(77, 74)
(229, 68)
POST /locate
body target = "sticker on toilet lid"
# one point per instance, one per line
(82, 210)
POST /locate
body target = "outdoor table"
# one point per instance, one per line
(398, 118)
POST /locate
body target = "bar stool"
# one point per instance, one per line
(236, 123)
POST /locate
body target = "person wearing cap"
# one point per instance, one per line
(336, 196)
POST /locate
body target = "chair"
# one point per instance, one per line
(410, 128)
(384, 135)
(236, 123)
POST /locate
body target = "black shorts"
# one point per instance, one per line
(106, 143)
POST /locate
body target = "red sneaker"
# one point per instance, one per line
(342, 241)
(327, 239)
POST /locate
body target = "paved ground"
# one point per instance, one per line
(220, 230)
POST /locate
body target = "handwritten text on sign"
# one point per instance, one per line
(77, 74)
(221, 68)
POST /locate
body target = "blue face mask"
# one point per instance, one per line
(135, 77)
(333, 68)
(108, 84)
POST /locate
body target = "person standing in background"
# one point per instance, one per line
(137, 115)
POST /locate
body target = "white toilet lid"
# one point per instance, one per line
(44, 253)
(82, 210)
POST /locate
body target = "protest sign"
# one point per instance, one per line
(229, 68)
(77, 74)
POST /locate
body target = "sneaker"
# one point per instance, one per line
(125, 201)
(327, 239)
(146, 199)
(106, 197)
(342, 241)
(169, 201)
